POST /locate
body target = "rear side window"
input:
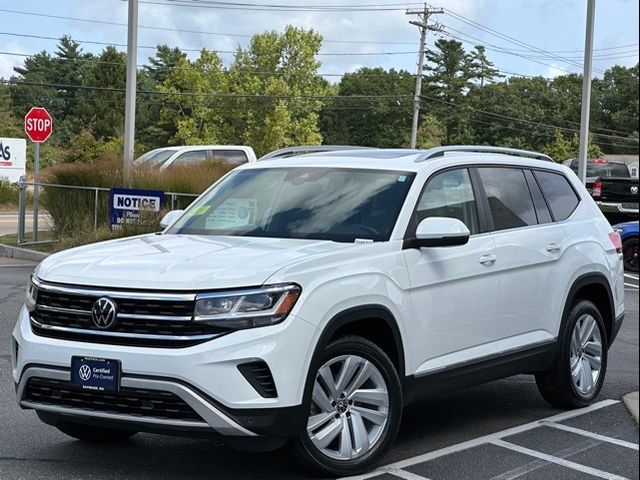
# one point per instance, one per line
(560, 196)
(509, 198)
(542, 210)
(449, 194)
(232, 157)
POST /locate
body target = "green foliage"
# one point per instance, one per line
(8, 193)
(430, 132)
(561, 149)
(377, 122)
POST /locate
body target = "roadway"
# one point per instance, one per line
(502, 430)
(9, 222)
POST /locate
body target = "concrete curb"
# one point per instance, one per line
(22, 253)
(631, 401)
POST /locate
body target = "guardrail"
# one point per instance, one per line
(23, 185)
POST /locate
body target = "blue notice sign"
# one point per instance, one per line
(125, 205)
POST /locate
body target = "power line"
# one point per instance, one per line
(510, 39)
(311, 97)
(95, 42)
(277, 8)
(199, 32)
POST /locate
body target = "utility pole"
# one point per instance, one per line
(130, 95)
(586, 92)
(422, 24)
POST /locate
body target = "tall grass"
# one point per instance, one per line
(72, 211)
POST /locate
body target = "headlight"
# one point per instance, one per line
(31, 296)
(246, 308)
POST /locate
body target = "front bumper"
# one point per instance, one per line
(204, 376)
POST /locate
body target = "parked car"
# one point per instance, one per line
(163, 158)
(629, 235)
(312, 298)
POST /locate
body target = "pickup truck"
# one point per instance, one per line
(616, 195)
(612, 187)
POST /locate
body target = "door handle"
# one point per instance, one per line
(553, 247)
(489, 259)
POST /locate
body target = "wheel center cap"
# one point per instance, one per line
(342, 406)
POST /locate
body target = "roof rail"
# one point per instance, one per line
(440, 151)
(302, 149)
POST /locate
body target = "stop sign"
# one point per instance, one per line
(38, 124)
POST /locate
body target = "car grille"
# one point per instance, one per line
(148, 320)
(130, 401)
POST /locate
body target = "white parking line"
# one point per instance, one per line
(631, 285)
(630, 275)
(404, 474)
(483, 440)
(596, 436)
(558, 461)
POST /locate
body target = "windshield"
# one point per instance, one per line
(320, 203)
(155, 158)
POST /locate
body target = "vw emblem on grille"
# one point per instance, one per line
(84, 372)
(634, 190)
(104, 313)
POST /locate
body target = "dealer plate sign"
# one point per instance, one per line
(13, 155)
(127, 205)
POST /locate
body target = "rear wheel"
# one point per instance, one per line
(630, 254)
(354, 409)
(578, 374)
(91, 434)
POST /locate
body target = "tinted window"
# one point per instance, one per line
(542, 210)
(449, 194)
(189, 158)
(603, 168)
(509, 198)
(232, 157)
(321, 203)
(561, 197)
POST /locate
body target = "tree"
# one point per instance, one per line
(282, 92)
(10, 125)
(162, 64)
(448, 80)
(101, 106)
(481, 68)
(376, 122)
(430, 132)
(193, 105)
(561, 149)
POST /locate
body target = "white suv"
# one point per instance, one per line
(311, 298)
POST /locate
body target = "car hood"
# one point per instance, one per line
(180, 262)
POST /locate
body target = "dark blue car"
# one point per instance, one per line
(629, 233)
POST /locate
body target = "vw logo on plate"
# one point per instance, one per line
(104, 313)
(84, 372)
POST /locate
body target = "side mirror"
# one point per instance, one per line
(439, 232)
(170, 218)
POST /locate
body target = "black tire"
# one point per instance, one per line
(630, 254)
(556, 385)
(91, 434)
(304, 448)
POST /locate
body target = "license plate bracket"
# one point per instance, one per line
(97, 374)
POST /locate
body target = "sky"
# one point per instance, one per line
(550, 33)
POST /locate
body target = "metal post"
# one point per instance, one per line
(95, 211)
(586, 92)
(21, 210)
(130, 96)
(36, 189)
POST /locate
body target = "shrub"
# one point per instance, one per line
(8, 193)
(72, 210)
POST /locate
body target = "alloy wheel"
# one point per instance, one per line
(585, 354)
(349, 408)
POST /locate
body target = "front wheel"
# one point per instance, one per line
(578, 374)
(630, 254)
(354, 409)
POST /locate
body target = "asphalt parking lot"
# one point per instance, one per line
(502, 430)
